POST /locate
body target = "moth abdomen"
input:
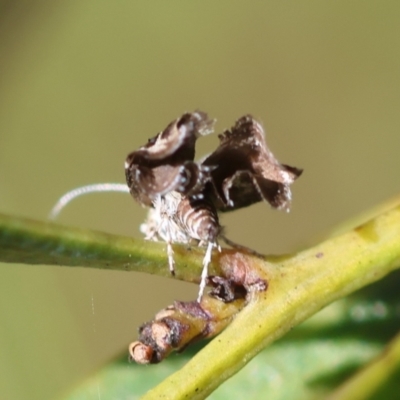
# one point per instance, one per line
(198, 217)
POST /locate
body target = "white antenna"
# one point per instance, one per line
(96, 187)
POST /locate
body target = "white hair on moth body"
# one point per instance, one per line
(178, 219)
(161, 222)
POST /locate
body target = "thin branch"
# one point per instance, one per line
(34, 242)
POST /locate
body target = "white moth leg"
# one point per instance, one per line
(204, 273)
(170, 251)
(171, 261)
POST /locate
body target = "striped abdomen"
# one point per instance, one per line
(198, 218)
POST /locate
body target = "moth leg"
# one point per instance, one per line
(162, 228)
(171, 261)
(170, 251)
(240, 247)
(204, 273)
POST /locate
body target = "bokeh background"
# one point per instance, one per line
(83, 83)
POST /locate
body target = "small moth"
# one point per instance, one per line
(163, 175)
(185, 196)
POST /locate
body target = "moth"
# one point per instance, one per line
(164, 176)
(186, 196)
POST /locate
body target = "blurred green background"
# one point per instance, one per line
(83, 83)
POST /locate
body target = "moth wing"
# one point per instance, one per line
(247, 171)
(166, 163)
(148, 183)
(178, 138)
(244, 189)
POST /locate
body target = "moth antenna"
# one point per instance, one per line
(204, 273)
(94, 188)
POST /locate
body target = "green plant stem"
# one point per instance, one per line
(34, 242)
(299, 286)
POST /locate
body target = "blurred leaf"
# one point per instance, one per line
(378, 380)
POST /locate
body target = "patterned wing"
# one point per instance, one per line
(166, 163)
(246, 171)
